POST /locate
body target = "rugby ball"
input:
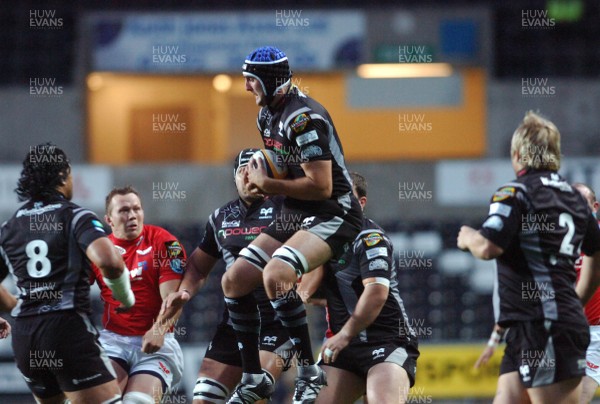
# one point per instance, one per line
(274, 164)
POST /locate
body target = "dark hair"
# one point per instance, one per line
(45, 168)
(128, 189)
(360, 184)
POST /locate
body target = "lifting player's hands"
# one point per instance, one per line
(332, 346)
(174, 302)
(464, 235)
(4, 328)
(255, 176)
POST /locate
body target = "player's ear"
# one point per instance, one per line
(107, 220)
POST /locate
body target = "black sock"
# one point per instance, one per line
(245, 317)
(290, 310)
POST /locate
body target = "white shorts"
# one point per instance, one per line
(166, 364)
(592, 355)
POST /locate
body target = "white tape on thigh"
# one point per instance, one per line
(255, 256)
(137, 397)
(210, 390)
(293, 258)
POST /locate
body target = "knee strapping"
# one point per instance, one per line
(115, 400)
(210, 389)
(293, 258)
(137, 397)
(255, 256)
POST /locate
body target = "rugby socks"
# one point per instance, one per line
(290, 310)
(244, 314)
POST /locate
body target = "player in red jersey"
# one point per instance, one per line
(591, 379)
(142, 348)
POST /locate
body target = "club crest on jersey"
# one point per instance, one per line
(299, 123)
(503, 193)
(266, 213)
(372, 239)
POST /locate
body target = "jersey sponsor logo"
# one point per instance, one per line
(38, 209)
(231, 223)
(500, 209)
(503, 193)
(592, 365)
(266, 213)
(372, 239)
(378, 263)
(308, 137)
(241, 231)
(494, 223)
(312, 151)
(120, 249)
(136, 273)
(267, 132)
(163, 368)
(272, 143)
(144, 252)
(377, 252)
(299, 123)
(378, 353)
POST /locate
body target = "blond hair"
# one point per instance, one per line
(537, 140)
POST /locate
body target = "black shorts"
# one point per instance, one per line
(59, 352)
(359, 357)
(223, 347)
(545, 352)
(336, 223)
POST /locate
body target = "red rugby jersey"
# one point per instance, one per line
(154, 257)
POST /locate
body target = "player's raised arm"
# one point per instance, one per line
(197, 269)
(103, 254)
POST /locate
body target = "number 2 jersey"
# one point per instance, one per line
(154, 257)
(542, 224)
(44, 246)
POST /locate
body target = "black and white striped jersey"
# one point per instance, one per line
(44, 246)
(542, 224)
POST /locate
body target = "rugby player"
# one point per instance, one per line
(48, 245)
(228, 230)
(591, 380)
(535, 227)
(138, 341)
(319, 220)
(370, 347)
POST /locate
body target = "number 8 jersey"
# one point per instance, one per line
(542, 224)
(43, 245)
